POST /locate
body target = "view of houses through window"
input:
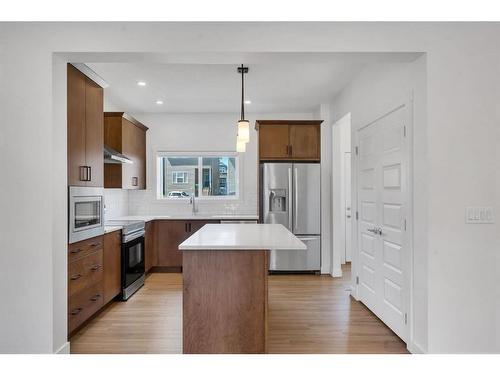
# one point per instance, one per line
(202, 176)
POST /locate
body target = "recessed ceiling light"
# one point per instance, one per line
(248, 102)
(159, 102)
(141, 83)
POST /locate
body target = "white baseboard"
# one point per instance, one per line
(64, 349)
(414, 348)
(337, 272)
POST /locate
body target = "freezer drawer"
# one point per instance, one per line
(298, 260)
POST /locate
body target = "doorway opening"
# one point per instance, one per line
(341, 187)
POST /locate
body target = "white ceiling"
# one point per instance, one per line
(272, 86)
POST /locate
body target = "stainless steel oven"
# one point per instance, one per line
(85, 213)
(132, 259)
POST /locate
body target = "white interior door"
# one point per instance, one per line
(348, 209)
(382, 205)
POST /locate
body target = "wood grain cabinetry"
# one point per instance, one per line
(112, 265)
(127, 136)
(151, 253)
(170, 234)
(84, 130)
(85, 280)
(289, 140)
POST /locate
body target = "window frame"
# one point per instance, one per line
(159, 155)
(185, 177)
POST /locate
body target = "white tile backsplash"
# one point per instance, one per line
(115, 203)
(144, 202)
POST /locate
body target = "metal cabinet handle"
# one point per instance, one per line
(75, 251)
(95, 244)
(291, 152)
(95, 267)
(287, 150)
(95, 297)
(76, 277)
(76, 311)
(190, 227)
(135, 181)
(90, 174)
(83, 173)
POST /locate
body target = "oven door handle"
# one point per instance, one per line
(133, 236)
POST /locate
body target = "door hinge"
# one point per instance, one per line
(357, 215)
(406, 318)
(356, 149)
(357, 280)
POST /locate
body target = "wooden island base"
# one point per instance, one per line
(225, 301)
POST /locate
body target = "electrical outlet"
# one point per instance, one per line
(479, 215)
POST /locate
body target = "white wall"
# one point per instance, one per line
(458, 152)
(208, 132)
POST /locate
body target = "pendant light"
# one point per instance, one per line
(243, 125)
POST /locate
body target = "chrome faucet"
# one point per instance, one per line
(192, 202)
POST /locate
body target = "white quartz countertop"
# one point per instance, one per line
(111, 228)
(188, 217)
(243, 237)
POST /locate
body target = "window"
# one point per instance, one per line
(209, 176)
(179, 177)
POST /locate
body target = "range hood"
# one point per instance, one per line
(114, 157)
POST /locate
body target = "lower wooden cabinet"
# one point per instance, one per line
(85, 280)
(112, 265)
(170, 234)
(150, 244)
(83, 305)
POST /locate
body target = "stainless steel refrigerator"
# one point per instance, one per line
(291, 195)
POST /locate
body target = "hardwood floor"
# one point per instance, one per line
(307, 314)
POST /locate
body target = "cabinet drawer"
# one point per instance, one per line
(85, 272)
(84, 304)
(83, 248)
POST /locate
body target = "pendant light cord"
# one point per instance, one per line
(242, 93)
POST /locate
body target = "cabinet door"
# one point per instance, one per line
(112, 265)
(170, 233)
(151, 257)
(196, 225)
(130, 172)
(305, 142)
(273, 142)
(141, 151)
(94, 132)
(76, 126)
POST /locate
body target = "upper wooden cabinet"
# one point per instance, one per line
(126, 135)
(85, 130)
(289, 140)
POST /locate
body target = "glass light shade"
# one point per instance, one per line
(244, 131)
(241, 146)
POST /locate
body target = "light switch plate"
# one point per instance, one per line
(479, 215)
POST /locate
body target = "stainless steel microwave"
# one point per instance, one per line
(86, 213)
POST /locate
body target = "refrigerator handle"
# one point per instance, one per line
(296, 196)
(289, 199)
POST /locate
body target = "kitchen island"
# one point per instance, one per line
(225, 269)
